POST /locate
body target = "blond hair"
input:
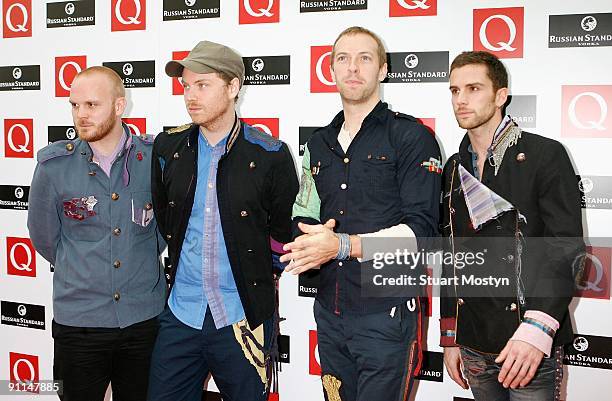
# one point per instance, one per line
(355, 30)
(117, 88)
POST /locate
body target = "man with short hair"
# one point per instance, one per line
(222, 194)
(90, 215)
(372, 172)
(508, 189)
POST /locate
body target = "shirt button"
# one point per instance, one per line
(207, 210)
(92, 173)
(171, 204)
(460, 301)
(175, 156)
(340, 264)
(168, 236)
(117, 264)
(346, 160)
(116, 296)
(205, 260)
(342, 186)
(244, 213)
(341, 212)
(115, 196)
(117, 231)
(210, 185)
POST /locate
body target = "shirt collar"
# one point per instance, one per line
(123, 144)
(204, 140)
(377, 112)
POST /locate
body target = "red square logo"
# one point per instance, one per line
(20, 257)
(595, 281)
(314, 366)
(66, 68)
(177, 88)
(137, 126)
(258, 11)
(499, 31)
(19, 138)
(23, 368)
(267, 125)
(273, 397)
(412, 8)
(321, 80)
(17, 17)
(128, 15)
(429, 123)
(586, 111)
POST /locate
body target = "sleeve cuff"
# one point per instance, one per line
(534, 336)
(448, 332)
(277, 247)
(537, 329)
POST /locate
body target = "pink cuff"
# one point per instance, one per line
(277, 247)
(534, 335)
(544, 318)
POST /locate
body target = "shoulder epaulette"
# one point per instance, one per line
(146, 139)
(178, 129)
(405, 116)
(268, 142)
(56, 149)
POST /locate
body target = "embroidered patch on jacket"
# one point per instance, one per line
(303, 195)
(80, 208)
(332, 385)
(252, 343)
(434, 165)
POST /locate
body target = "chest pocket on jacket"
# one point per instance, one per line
(380, 171)
(142, 212)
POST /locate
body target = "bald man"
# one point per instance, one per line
(91, 216)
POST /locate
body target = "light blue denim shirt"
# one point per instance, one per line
(204, 276)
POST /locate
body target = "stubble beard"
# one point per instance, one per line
(100, 131)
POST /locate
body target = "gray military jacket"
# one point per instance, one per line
(99, 233)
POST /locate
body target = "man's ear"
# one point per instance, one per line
(382, 74)
(120, 105)
(234, 87)
(501, 96)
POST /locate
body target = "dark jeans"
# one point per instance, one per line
(481, 371)
(87, 359)
(369, 357)
(184, 356)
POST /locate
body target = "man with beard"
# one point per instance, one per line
(370, 173)
(222, 195)
(91, 216)
(517, 194)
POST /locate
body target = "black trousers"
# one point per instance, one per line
(370, 357)
(86, 359)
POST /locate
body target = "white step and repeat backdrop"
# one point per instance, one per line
(558, 53)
